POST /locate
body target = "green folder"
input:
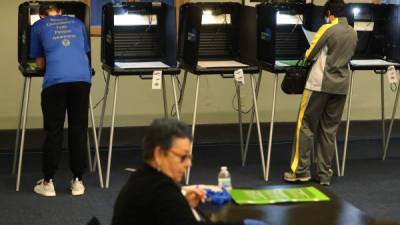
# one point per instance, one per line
(291, 62)
(32, 66)
(278, 195)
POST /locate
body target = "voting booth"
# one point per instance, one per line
(28, 14)
(138, 39)
(217, 35)
(280, 35)
(219, 38)
(393, 43)
(369, 20)
(377, 27)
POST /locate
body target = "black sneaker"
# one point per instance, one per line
(292, 177)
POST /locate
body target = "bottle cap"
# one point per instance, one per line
(224, 168)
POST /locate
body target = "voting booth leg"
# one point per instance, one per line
(178, 116)
(240, 117)
(182, 91)
(19, 127)
(391, 122)
(337, 159)
(246, 147)
(96, 145)
(164, 97)
(271, 126)
(258, 125)
(111, 133)
(383, 112)
(103, 109)
(25, 99)
(346, 137)
(193, 124)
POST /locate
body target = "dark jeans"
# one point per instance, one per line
(74, 99)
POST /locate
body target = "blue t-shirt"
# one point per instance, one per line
(63, 42)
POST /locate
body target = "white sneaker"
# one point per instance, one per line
(45, 189)
(77, 187)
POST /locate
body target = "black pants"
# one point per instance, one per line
(72, 98)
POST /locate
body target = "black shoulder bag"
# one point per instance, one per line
(295, 79)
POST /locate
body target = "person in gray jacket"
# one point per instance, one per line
(324, 96)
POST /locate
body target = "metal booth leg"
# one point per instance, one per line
(14, 168)
(111, 132)
(103, 109)
(96, 145)
(337, 159)
(25, 113)
(391, 122)
(237, 85)
(383, 112)
(193, 123)
(178, 116)
(258, 126)
(164, 91)
(182, 91)
(346, 139)
(251, 122)
(271, 127)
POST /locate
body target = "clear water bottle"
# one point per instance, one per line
(224, 178)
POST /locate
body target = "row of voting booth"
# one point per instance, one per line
(227, 39)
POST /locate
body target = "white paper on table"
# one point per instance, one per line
(372, 62)
(363, 26)
(140, 65)
(220, 63)
(280, 64)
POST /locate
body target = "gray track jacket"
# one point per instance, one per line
(332, 47)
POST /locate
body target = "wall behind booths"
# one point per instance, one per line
(138, 104)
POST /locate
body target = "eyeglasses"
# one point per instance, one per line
(182, 158)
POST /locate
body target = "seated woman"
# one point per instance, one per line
(152, 195)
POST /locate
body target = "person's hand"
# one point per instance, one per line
(253, 222)
(194, 196)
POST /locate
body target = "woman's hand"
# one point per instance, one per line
(194, 196)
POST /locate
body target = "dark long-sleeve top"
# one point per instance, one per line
(152, 198)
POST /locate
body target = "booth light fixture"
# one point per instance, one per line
(134, 19)
(34, 18)
(356, 11)
(207, 12)
(209, 17)
(282, 18)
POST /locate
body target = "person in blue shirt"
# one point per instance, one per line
(60, 47)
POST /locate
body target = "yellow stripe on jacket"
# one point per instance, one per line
(318, 36)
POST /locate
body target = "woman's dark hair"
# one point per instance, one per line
(45, 7)
(336, 8)
(162, 132)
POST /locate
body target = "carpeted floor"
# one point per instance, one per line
(370, 184)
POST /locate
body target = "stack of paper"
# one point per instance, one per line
(270, 196)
